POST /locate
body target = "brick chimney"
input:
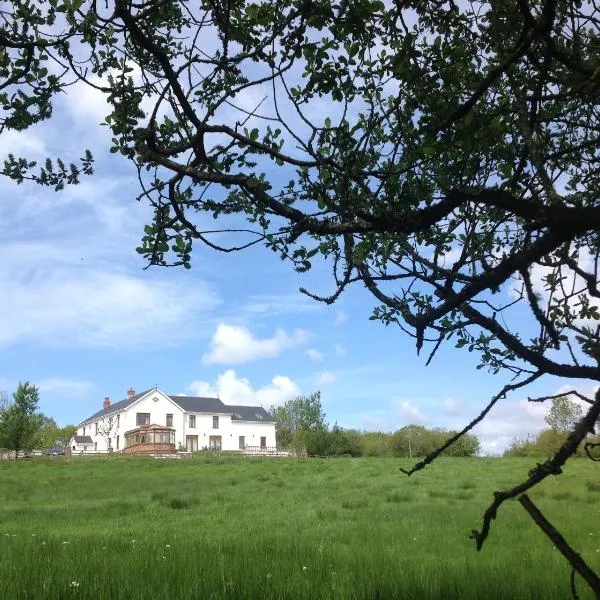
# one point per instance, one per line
(106, 402)
(130, 393)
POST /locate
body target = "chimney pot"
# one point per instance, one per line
(130, 393)
(106, 402)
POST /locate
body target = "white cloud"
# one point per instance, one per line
(274, 305)
(408, 412)
(340, 318)
(49, 296)
(339, 350)
(233, 389)
(87, 105)
(453, 407)
(68, 388)
(507, 421)
(324, 378)
(314, 354)
(21, 143)
(237, 345)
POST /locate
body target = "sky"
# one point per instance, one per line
(82, 318)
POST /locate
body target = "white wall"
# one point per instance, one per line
(159, 405)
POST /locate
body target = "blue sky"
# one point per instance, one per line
(81, 317)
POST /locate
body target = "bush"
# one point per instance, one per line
(376, 443)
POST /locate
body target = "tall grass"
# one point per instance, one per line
(125, 528)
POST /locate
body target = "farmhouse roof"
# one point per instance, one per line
(83, 439)
(197, 404)
(249, 413)
(115, 407)
(191, 404)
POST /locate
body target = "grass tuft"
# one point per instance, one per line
(170, 500)
(592, 486)
(397, 497)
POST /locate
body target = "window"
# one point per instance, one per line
(95, 445)
(214, 442)
(96, 424)
(215, 422)
(242, 442)
(169, 420)
(118, 421)
(263, 442)
(142, 419)
(192, 420)
(117, 442)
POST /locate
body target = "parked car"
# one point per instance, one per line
(55, 452)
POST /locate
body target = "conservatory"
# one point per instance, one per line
(150, 438)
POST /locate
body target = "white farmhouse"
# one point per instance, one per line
(156, 422)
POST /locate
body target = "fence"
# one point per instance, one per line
(272, 451)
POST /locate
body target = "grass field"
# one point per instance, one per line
(248, 528)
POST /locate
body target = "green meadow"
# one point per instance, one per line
(210, 527)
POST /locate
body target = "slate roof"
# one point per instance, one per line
(116, 406)
(191, 404)
(83, 439)
(249, 413)
(197, 404)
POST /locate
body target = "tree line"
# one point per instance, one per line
(561, 418)
(301, 424)
(23, 428)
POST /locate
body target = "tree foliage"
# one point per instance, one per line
(301, 414)
(416, 440)
(563, 414)
(50, 435)
(19, 423)
(442, 154)
(35, 53)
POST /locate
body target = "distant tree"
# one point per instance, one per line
(64, 434)
(563, 415)
(412, 440)
(466, 445)
(316, 442)
(344, 442)
(19, 423)
(417, 440)
(303, 413)
(50, 435)
(46, 431)
(520, 448)
(549, 441)
(376, 443)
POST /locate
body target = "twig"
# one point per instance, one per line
(561, 544)
(571, 392)
(501, 394)
(552, 466)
